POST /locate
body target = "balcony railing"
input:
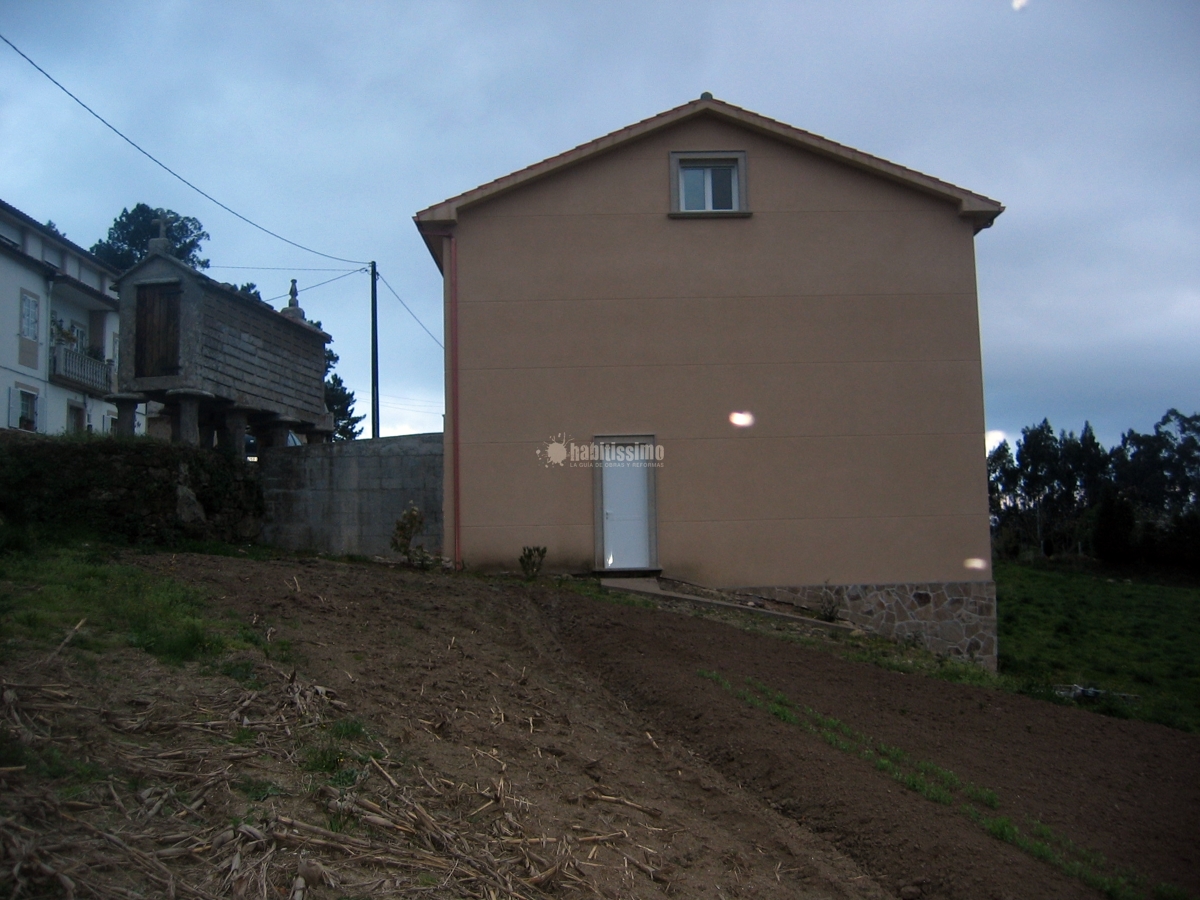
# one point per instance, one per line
(78, 370)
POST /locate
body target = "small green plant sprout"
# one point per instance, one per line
(716, 677)
(937, 773)
(531, 561)
(985, 796)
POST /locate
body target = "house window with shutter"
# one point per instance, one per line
(22, 408)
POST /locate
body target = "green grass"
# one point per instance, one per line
(984, 796)
(45, 593)
(944, 776)
(325, 758)
(348, 729)
(258, 790)
(242, 670)
(1064, 625)
(244, 737)
(1076, 862)
(46, 762)
(716, 677)
(344, 778)
(930, 790)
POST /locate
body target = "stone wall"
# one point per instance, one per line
(955, 619)
(345, 497)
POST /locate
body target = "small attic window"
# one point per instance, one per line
(708, 184)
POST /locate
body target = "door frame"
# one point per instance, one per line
(598, 504)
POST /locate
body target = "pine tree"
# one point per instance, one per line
(128, 239)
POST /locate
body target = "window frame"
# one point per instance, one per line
(686, 159)
(30, 302)
(24, 395)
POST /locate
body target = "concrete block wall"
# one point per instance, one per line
(345, 497)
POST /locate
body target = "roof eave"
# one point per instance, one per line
(87, 290)
(69, 244)
(432, 231)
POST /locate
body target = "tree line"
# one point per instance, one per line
(1135, 504)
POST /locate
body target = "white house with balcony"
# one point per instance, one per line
(56, 304)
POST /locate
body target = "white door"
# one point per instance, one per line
(625, 488)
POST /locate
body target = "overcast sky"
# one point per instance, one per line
(333, 123)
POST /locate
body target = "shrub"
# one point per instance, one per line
(121, 488)
(407, 527)
(829, 604)
(531, 561)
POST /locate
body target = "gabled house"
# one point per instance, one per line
(59, 361)
(716, 347)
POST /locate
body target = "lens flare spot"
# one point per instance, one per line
(741, 419)
(974, 563)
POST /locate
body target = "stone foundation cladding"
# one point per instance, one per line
(955, 619)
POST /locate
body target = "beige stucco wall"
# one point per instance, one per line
(842, 313)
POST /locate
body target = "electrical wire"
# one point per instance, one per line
(437, 403)
(410, 312)
(430, 409)
(411, 409)
(282, 269)
(318, 284)
(171, 171)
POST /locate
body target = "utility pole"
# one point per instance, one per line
(374, 354)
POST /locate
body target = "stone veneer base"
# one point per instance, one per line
(954, 618)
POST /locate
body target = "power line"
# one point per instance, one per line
(318, 284)
(437, 403)
(410, 312)
(282, 269)
(169, 170)
(412, 409)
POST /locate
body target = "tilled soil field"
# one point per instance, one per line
(530, 741)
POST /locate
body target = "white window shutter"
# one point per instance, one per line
(14, 408)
